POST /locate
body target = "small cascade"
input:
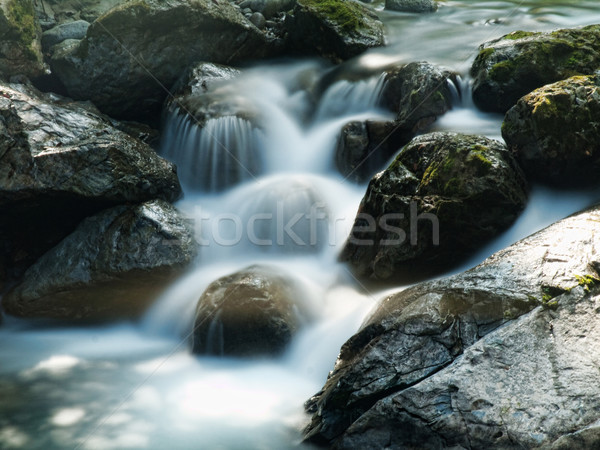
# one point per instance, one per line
(225, 152)
(215, 342)
(350, 97)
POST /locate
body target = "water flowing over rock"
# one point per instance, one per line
(555, 132)
(129, 57)
(418, 6)
(61, 161)
(334, 29)
(433, 366)
(20, 48)
(113, 265)
(514, 65)
(253, 312)
(443, 196)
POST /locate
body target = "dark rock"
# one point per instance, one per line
(112, 266)
(418, 6)
(334, 29)
(258, 20)
(252, 312)
(420, 372)
(51, 13)
(444, 195)
(270, 8)
(112, 65)
(514, 65)
(202, 78)
(61, 161)
(20, 49)
(60, 33)
(554, 132)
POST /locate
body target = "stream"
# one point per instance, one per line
(136, 384)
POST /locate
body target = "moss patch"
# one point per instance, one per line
(587, 281)
(519, 35)
(345, 14)
(22, 17)
(503, 71)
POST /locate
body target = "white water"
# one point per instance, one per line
(136, 385)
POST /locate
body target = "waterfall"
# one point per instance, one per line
(225, 151)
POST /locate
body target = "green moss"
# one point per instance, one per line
(519, 35)
(503, 71)
(344, 13)
(482, 164)
(485, 53)
(22, 17)
(587, 281)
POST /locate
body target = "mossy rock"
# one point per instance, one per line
(555, 132)
(20, 48)
(334, 29)
(458, 190)
(509, 67)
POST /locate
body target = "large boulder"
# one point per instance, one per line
(253, 312)
(20, 49)
(61, 161)
(136, 50)
(112, 266)
(334, 29)
(443, 196)
(417, 93)
(555, 132)
(418, 6)
(420, 372)
(510, 67)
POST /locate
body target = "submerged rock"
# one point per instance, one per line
(444, 195)
(555, 132)
(510, 67)
(418, 6)
(334, 29)
(433, 367)
(61, 161)
(112, 266)
(112, 65)
(253, 312)
(20, 49)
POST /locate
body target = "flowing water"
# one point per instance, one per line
(136, 385)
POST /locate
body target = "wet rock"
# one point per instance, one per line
(433, 367)
(270, 8)
(514, 65)
(444, 195)
(111, 65)
(51, 13)
(60, 33)
(258, 20)
(334, 29)
(555, 132)
(112, 266)
(61, 161)
(20, 49)
(418, 6)
(253, 312)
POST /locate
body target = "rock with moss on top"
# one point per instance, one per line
(20, 33)
(555, 132)
(444, 196)
(514, 65)
(334, 29)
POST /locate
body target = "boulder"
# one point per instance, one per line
(70, 30)
(503, 355)
(112, 266)
(514, 65)
(444, 195)
(555, 132)
(51, 13)
(334, 29)
(61, 161)
(417, 93)
(136, 50)
(202, 78)
(417, 6)
(253, 312)
(20, 49)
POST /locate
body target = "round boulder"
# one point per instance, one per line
(417, 6)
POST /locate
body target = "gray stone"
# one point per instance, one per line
(70, 30)
(112, 266)
(434, 367)
(418, 6)
(258, 20)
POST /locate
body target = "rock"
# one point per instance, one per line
(418, 6)
(258, 20)
(20, 50)
(433, 367)
(111, 66)
(555, 132)
(202, 78)
(112, 266)
(60, 33)
(514, 65)
(334, 29)
(418, 93)
(253, 312)
(444, 195)
(61, 161)
(270, 8)
(56, 12)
